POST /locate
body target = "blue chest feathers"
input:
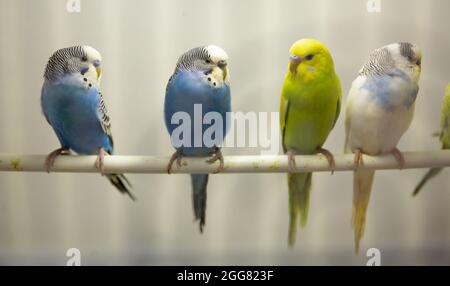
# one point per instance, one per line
(72, 111)
(190, 94)
(392, 91)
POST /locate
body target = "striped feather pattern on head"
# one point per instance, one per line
(60, 62)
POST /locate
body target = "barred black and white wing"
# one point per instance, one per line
(118, 180)
(104, 118)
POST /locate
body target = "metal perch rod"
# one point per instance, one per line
(233, 164)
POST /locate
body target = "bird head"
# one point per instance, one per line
(92, 61)
(407, 57)
(219, 60)
(211, 60)
(83, 60)
(309, 60)
(398, 58)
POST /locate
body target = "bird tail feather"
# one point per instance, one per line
(299, 190)
(362, 186)
(121, 183)
(199, 183)
(430, 174)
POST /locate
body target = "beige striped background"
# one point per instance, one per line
(42, 215)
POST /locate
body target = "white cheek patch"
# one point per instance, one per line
(310, 69)
(88, 79)
(79, 80)
(215, 78)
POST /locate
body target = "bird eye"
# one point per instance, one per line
(208, 61)
(84, 59)
(419, 62)
(309, 57)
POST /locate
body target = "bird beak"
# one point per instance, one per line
(223, 66)
(293, 63)
(98, 68)
(99, 72)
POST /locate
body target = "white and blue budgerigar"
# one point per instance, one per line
(73, 105)
(200, 83)
(380, 108)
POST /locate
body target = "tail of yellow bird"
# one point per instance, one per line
(362, 186)
(299, 189)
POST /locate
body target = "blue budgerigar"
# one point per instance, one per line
(200, 82)
(380, 108)
(73, 105)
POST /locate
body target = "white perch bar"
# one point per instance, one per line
(233, 164)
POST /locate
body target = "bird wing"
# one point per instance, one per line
(103, 117)
(444, 132)
(444, 124)
(339, 99)
(338, 110)
(284, 112)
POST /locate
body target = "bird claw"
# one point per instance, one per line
(399, 158)
(291, 161)
(358, 161)
(50, 160)
(100, 161)
(330, 158)
(177, 156)
(217, 156)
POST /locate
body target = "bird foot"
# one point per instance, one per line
(217, 156)
(330, 158)
(177, 156)
(291, 161)
(100, 161)
(399, 158)
(358, 161)
(50, 160)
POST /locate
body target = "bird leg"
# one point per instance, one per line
(177, 156)
(358, 161)
(217, 156)
(50, 160)
(399, 158)
(99, 162)
(291, 161)
(329, 157)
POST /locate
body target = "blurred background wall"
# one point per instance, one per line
(42, 215)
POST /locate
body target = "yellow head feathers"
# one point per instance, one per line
(309, 60)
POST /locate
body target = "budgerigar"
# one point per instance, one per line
(201, 78)
(444, 137)
(380, 108)
(309, 108)
(73, 105)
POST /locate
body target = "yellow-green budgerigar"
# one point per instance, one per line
(309, 107)
(444, 137)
